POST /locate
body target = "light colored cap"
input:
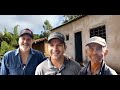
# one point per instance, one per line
(97, 40)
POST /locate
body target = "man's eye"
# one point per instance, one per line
(51, 45)
(59, 45)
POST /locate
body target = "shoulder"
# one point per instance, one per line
(10, 52)
(8, 56)
(83, 71)
(73, 63)
(42, 68)
(43, 64)
(109, 70)
(36, 52)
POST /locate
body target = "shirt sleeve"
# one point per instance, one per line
(38, 70)
(4, 70)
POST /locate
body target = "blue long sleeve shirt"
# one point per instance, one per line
(12, 63)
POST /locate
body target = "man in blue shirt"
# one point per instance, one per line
(24, 60)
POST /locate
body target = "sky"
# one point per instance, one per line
(33, 22)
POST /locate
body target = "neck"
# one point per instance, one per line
(58, 62)
(24, 52)
(24, 56)
(95, 67)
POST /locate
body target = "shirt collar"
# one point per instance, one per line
(50, 65)
(99, 72)
(18, 51)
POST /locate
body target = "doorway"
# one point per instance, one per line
(78, 47)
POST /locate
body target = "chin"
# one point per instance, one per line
(55, 57)
(97, 61)
(26, 50)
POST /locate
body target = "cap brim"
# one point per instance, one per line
(102, 44)
(26, 34)
(55, 38)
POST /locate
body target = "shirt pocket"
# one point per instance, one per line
(14, 69)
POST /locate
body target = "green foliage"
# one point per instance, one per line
(44, 34)
(47, 25)
(7, 36)
(15, 36)
(1, 37)
(70, 18)
(5, 47)
(36, 36)
(8, 41)
(10, 38)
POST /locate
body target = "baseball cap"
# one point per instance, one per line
(97, 40)
(56, 35)
(26, 31)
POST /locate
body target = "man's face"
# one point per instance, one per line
(56, 49)
(95, 52)
(25, 42)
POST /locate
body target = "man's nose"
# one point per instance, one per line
(94, 51)
(55, 48)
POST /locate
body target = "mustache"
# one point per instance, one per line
(26, 44)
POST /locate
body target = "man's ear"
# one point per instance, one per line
(86, 48)
(106, 52)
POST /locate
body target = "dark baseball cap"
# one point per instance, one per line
(56, 35)
(26, 31)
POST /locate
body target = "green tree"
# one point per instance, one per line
(7, 36)
(1, 37)
(5, 47)
(36, 36)
(11, 38)
(15, 36)
(70, 18)
(8, 40)
(47, 27)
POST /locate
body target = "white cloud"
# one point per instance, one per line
(34, 22)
